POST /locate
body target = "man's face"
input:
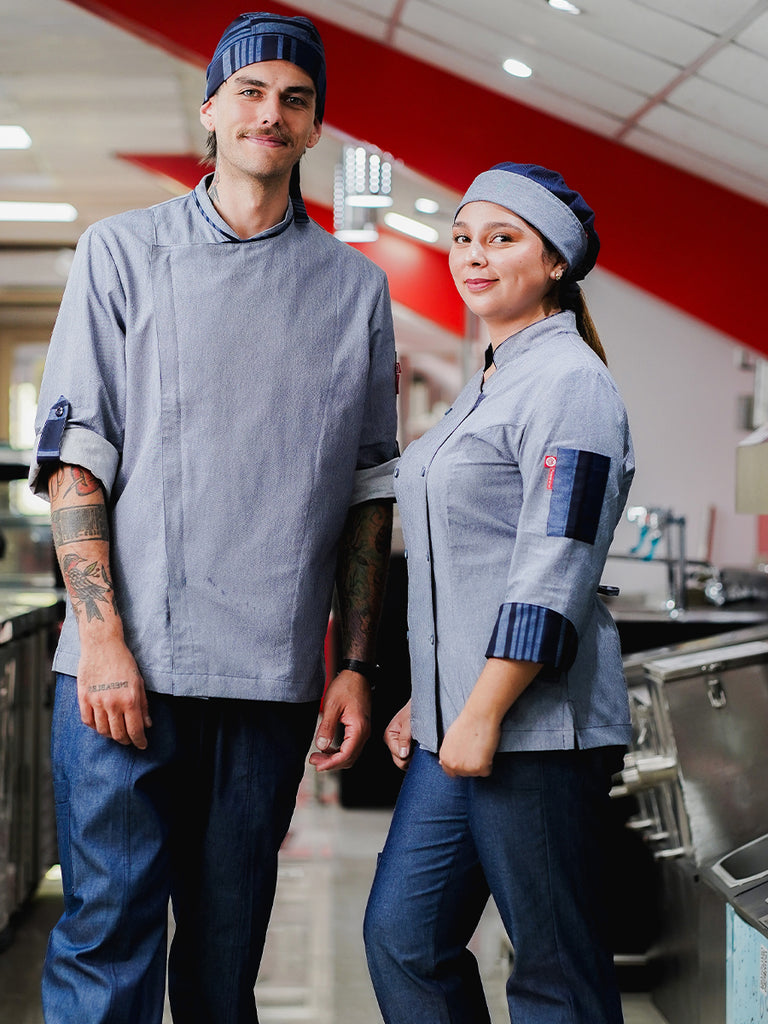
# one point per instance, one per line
(264, 119)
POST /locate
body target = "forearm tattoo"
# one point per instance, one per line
(362, 573)
(79, 522)
(67, 479)
(88, 586)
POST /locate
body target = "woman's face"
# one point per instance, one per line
(500, 268)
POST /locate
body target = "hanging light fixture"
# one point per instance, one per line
(362, 185)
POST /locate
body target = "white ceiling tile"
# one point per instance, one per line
(653, 32)
(715, 16)
(709, 140)
(756, 36)
(707, 166)
(740, 70)
(80, 92)
(721, 107)
(538, 31)
(621, 21)
(370, 19)
(566, 85)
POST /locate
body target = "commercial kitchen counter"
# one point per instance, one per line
(698, 768)
(29, 622)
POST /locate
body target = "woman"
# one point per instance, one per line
(519, 713)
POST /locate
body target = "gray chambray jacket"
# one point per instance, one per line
(229, 395)
(508, 507)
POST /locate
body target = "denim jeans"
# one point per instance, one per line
(199, 817)
(530, 835)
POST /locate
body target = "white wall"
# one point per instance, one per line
(681, 382)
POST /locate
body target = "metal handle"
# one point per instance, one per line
(670, 854)
(648, 772)
(716, 693)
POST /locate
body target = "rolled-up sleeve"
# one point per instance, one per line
(85, 367)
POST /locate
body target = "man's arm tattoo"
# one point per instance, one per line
(88, 585)
(75, 479)
(78, 523)
(363, 561)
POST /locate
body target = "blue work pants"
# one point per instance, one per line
(199, 817)
(532, 836)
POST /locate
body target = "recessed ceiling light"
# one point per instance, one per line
(564, 5)
(50, 213)
(424, 205)
(13, 136)
(517, 68)
(411, 227)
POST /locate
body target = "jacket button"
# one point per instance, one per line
(397, 471)
(405, 553)
(423, 470)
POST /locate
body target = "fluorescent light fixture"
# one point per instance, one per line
(517, 68)
(564, 5)
(49, 213)
(13, 136)
(357, 234)
(411, 227)
(424, 205)
(369, 201)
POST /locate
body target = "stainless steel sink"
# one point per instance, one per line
(643, 626)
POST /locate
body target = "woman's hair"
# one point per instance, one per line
(571, 297)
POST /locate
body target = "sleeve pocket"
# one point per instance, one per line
(578, 491)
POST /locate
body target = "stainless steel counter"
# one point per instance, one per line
(28, 630)
(698, 768)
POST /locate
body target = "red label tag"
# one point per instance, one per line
(397, 378)
(550, 463)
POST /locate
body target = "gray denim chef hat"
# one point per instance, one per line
(259, 36)
(542, 198)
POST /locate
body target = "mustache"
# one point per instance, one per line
(268, 133)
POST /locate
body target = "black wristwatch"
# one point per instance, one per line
(366, 668)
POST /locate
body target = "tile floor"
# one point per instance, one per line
(314, 966)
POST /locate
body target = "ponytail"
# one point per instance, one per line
(584, 322)
(568, 295)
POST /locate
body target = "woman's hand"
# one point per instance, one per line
(397, 737)
(473, 738)
(469, 745)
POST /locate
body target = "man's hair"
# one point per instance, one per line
(209, 157)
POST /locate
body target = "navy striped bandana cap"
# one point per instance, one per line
(542, 198)
(259, 36)
(252, 38)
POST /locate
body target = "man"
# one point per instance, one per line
(217, 421)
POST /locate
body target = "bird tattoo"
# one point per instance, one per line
(87, 586)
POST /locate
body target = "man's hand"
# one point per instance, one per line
(111, 694)
(347, 703)
(397, 737)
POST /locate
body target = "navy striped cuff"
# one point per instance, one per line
(526, 632)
